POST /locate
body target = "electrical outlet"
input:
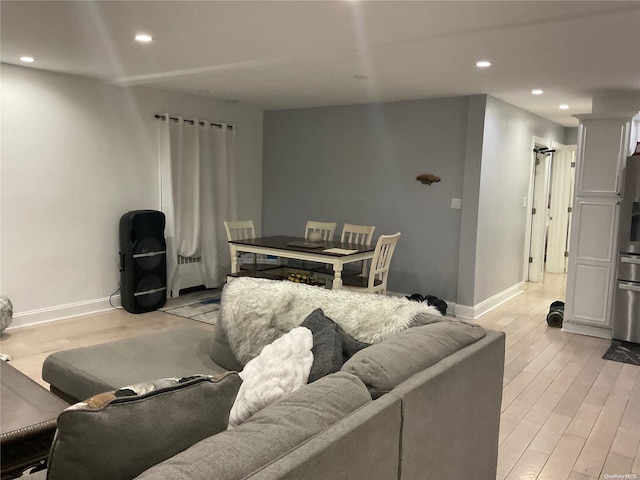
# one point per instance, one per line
(456, 203)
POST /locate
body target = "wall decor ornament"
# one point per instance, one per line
(428, 178)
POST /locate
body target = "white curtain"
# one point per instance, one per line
(198, 194)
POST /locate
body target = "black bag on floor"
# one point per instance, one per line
(431, 300)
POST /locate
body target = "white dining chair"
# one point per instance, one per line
(326, 229)
(241, 230)
(360, 235)
(376, 281)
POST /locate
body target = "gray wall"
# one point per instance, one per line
(471, 197)
(504, 182)
(570, 136)
(358, 164)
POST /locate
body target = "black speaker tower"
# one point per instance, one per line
(143, 261)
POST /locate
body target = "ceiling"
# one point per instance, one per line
(292, 54)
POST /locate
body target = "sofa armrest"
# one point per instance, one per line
(451, 414)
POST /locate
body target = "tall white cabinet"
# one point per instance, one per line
(604, 142)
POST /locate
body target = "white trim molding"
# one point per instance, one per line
(476, 311)
(592, 331)
(62, 312)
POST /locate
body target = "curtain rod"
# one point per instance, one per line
(192, 122)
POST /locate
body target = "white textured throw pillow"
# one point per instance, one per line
(281, 368)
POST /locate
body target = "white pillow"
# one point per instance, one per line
(281, 368)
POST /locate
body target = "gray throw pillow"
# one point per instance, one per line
(386, 364)
(332, 346)
(117, 435)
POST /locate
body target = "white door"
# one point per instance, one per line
(560, 200)
(539, 216)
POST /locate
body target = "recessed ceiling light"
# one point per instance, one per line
(483, 64)
(537, 91)
(27, 59)
(564, 106)
(143, 37)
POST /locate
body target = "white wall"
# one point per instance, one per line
(76, 155)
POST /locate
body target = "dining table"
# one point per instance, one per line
(331, 252)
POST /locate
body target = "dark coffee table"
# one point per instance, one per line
(27, 422)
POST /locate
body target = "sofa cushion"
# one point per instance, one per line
(269, 434)
(332, 346)
(384, 365)
(177, 352)
(117, 435)
(281, 368)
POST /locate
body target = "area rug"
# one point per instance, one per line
(625, 352)
(201, 306)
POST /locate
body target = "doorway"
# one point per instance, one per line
(550, 198)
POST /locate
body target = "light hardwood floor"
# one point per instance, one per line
(567, 414)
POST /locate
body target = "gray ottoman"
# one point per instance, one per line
(80, 373)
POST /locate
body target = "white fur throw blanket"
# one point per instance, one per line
(254, 312)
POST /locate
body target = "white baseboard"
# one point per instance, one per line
(600, 332)
(61, 312)
(476, 311)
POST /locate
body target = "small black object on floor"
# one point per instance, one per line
(625, 352)
(555, 316)
(431, 300)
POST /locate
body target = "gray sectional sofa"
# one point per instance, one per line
(423, 402)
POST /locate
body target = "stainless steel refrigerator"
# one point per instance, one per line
(626, 317)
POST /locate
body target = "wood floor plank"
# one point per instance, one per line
(529, 466)
(515, 445)
(636, 463)
(617, 465)
(560, 463)
(626, 442)
(549, 435)
(596, 449)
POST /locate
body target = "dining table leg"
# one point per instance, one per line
(234, 258)
(337, 276)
